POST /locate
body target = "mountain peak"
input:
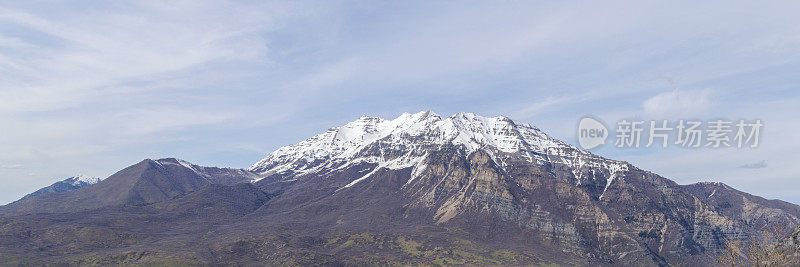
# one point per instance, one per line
(408, 137)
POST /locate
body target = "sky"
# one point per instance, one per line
(90, 87)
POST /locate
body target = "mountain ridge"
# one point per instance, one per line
(148, 181)
(500, 134)
(458, 190)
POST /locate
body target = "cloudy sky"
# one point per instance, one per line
(91, 87)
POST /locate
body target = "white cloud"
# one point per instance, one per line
(12, 166)
(679, 103)
(758, 165)
(12, 42)
(96, 51)
(548, 103)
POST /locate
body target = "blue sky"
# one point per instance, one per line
(90, 87)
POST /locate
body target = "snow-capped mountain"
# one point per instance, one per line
(452, 170)
(410, 133)
(406, 140)
(420, 188)
(65, 185)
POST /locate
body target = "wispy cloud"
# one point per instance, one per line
(12, 166)
(758, 165)
(91, 53)
(679, 103)
(550, 103)
(84, 79)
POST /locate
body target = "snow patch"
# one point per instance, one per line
(614, 170)
(80, 179)
(403, 162)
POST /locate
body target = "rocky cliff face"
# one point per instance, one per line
(421, 188)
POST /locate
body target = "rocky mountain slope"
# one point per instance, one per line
(418, 189)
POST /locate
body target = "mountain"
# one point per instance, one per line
(419, 189)
(65, 185)
(148, 181)
(454, 171)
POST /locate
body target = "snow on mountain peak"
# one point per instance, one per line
(79, 179)
(411, 131)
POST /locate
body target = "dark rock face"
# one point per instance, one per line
(465, 190)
